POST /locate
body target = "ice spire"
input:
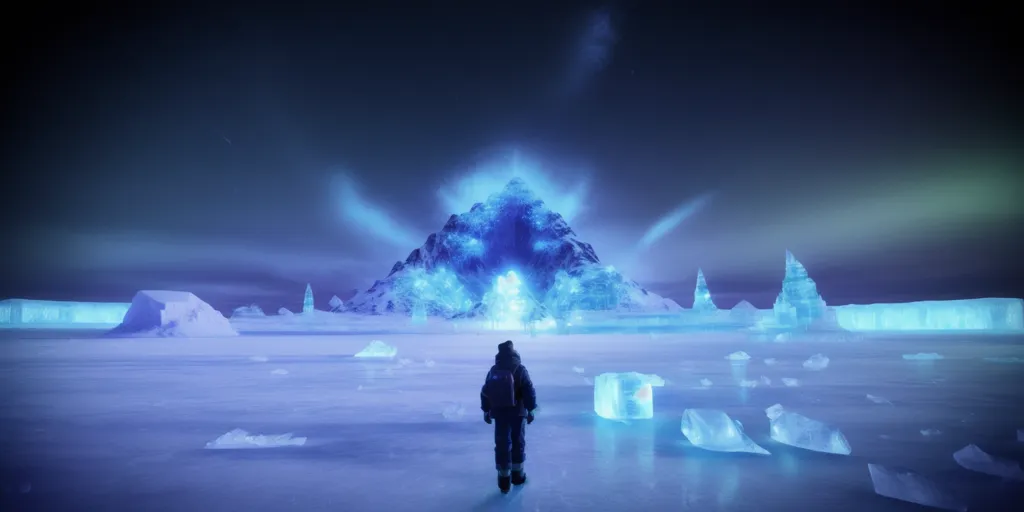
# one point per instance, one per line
(799, 302)
(701, 296)
(307, 301)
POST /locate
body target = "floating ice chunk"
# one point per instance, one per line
(429, 363)
(714, 430)
(239, 438)
(782, 337)
(878, 399)
(453, 411)
(770, 361)
(922, 356)
(279, 371)
(404, 362)
(738, 356)
(377, 349)
(802, 432)
(906, 485)
(259, 359)
(817, 362)
(930, 432)
(284, 312)
(625, 396)
(1004, 360)
(170, 314)
(705, 384)
(973, 458)
(766, 381)
(747, 383)
(577, 369)
(791, 383)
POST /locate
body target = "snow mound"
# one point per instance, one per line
(240, 439)
(171, 314)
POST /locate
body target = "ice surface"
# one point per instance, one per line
(906, 485)
(878, 399)
(48, 313)
(701, 296)
(738, 356)
(816, 362)
(307, 300)
(748, 383)
(706, 383)
(625, 396)
(162, 313)
(993, 314)
(1004, 360)
(259, 359)
(714, 430)
(336, 304)
(765, 381)
(922, 356)
(770, 361)
(973, 458)
(790, 383)
(377, 349)
(799, 303)
(745, 313)
(250, 311)
(240, 439)
(931, 432)
(577, 369)
(279, 371)
(453, 411)
(802, 432)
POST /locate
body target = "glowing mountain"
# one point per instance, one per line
(511, 235)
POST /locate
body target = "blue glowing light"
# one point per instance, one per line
(507, 307)
(424, 293)
(372, 220)
(673, 219)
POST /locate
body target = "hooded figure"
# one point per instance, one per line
(508, 401)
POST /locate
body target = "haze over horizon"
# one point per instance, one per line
(242, 153)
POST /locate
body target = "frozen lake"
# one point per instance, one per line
(120, 425)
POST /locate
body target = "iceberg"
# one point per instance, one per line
(992, 314)
(738, 356)
(240, 439)
(25, 313)
(307, 300)
(336, 304)
(922, 356)
(906, 485)
(284, 312)
(377, 349)
(973, 458)
(162, 313)
(714, 430)
(250, 311)
(625, 396)
(798, 304)
(817, 362)
(745, 313)
(802, 432)
(701, 296)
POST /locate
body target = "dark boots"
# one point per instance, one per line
(504, 483)
(518, 477)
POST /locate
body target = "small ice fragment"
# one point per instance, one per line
(705, 383)
(782, 337)
(625, 396)
(714, 430)
(930, 432)
(973, 458)
(279, 371)
(878, 399)
(922, 356)
(766, 381)
(359, 387)
(259, 359)
(817, 362)
(906, 485)
(238, 438)
(747, 383)
(791, 383)
(577, 369)
(770, 361)
(738, 356)
(404, 362)
(376, 349)
(453, 411)
(802, 432)
(429, 363)
(1004, 360)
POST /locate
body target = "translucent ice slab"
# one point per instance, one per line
(906, 485)
(377, 349)
(48, 313)
(625, 396)
(975, 459)
(714, 430)
(955, 315)
(802, 432)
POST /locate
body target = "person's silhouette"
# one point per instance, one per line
(508, 401)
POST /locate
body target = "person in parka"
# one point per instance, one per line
(508, 401)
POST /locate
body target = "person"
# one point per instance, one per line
(508, 401)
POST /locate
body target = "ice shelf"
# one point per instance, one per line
(953, 315)
(27, 313)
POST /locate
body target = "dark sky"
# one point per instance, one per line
(195, 148)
